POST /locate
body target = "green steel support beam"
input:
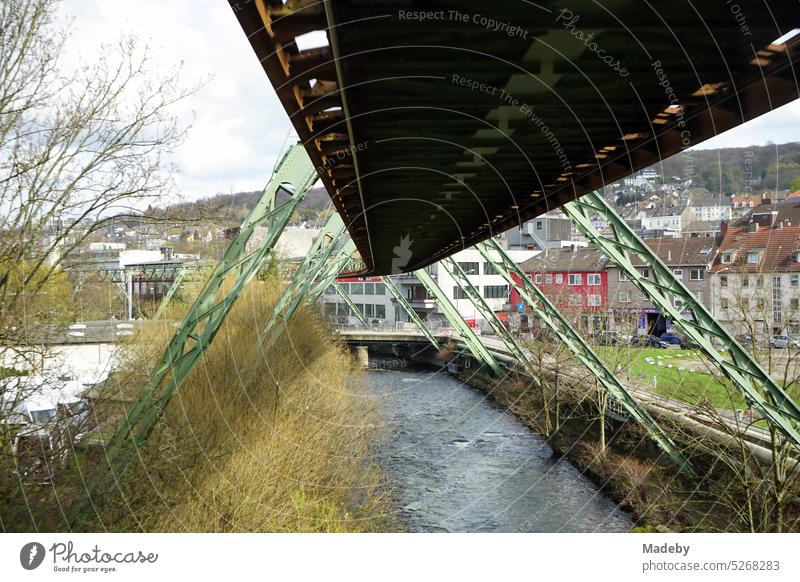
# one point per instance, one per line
(461, 278)
(700, 327)
(552, 318)
(346, 297)
(403, 302)
(170, 292)
(470, 338)
(205, 317)
(340, 262)
(306, 281)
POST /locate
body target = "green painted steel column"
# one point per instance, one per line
(346, 297)
(552, 318)
(403, 302)
(461, 278)
(468, 336)
(205, 317)
(700, 327)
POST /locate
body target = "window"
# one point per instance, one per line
(330, 290)
(676, 302)
(794, 281)
(575, 299)
(753, 257)
(495, 291)
(539, 225)
(380, 311)
(723, 280)
(369, 310)
(695, 274)
(745, 281)
(548, 278)
(489, 269)
(624, 296)
(356, 288)
(678, 273)
(538, 278)
(593, 279)
(470, 268)
(594, 300)
(622, 276)
(760, 303)
(369, 288)
(575, 279)
(723, 303)
(458, 293)
(345, 287)
(726, 258)
(794, 304)
(645, 272)
(759, 281)
(380, 289)
(559, 279)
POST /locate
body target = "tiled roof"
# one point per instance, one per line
(682, 251)
(779, 246)
(564, 260)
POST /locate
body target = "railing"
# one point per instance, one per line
(385, 326)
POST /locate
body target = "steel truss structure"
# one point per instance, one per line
(320, 267)
(468, 336)
(699, 326)
(173, 288)
(295, 175)
(546, 312)
(403, 302)
(346, 297)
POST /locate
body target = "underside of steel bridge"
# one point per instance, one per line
(477, 116)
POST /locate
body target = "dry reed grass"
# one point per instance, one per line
(253, 441)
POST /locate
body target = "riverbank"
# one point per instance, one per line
(728, 495)
(275, 441)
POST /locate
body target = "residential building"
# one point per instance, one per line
(575, 280)
(551, 230)
(631, 310)
(756, 283)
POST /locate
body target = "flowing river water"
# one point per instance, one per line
(455, 461)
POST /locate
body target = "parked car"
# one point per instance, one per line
(672, 339)
(794, 342)
(779, 342)
(648, 341)
(745, 339)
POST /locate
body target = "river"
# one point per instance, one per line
(455, 461)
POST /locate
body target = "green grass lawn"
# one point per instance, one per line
(691, 387)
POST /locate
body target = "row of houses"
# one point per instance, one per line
(748, 276)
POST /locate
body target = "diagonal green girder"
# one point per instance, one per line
(461, 278)
(346, 298)
(204, 318)
(544, 310)
(306, 283)
(469, 337)
(398, 297)
(739, 367)
(173, 288)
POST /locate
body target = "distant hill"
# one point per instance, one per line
(728, 170)
(232, 208)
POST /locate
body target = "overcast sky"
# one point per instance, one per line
(239, 125)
